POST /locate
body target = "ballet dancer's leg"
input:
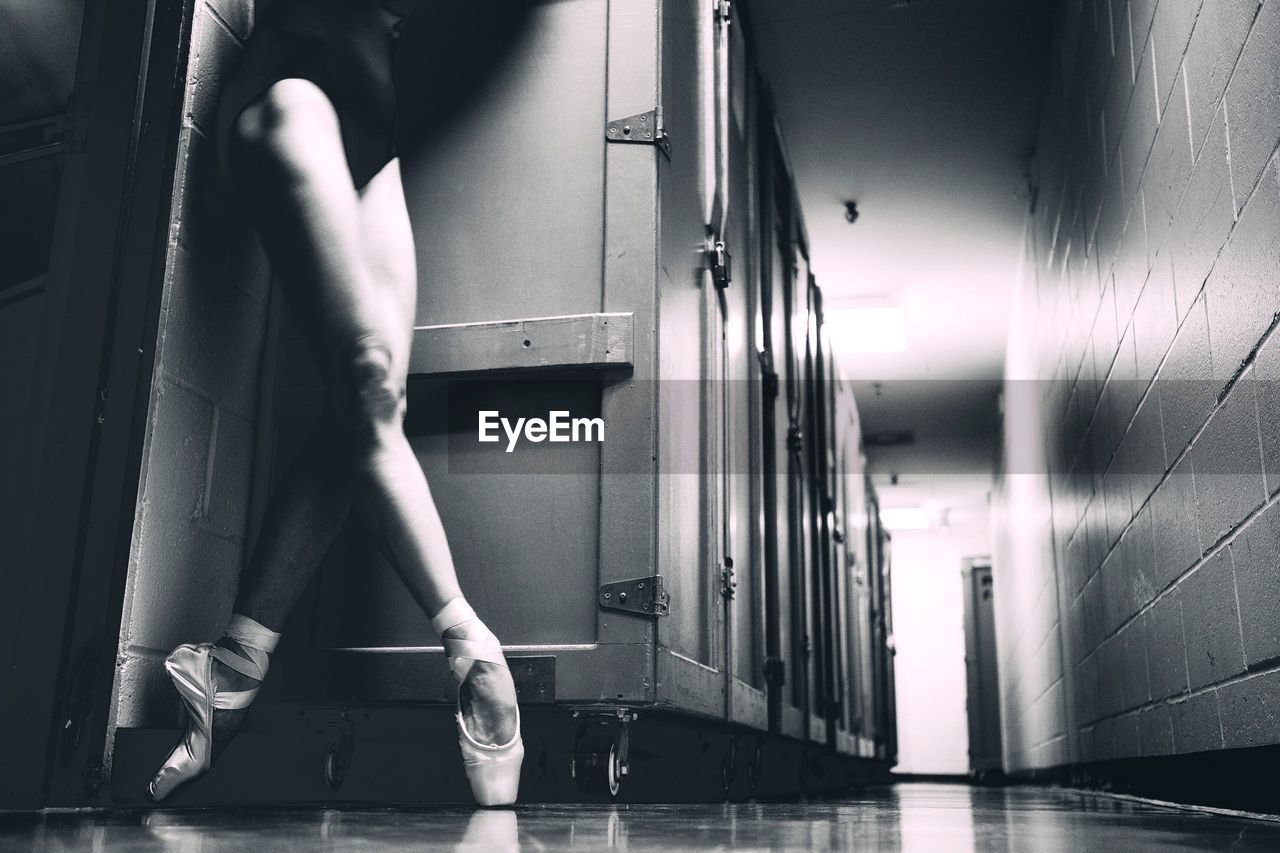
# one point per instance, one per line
(345, 260)
(347, 264)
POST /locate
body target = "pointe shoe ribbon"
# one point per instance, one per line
(492, 769)
(190, 668)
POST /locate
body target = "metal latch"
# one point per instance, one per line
(721, 272)
(775, 671)
(728, 583)
(646, 596)
(641, 128)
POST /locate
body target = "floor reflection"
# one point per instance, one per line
(910, 818)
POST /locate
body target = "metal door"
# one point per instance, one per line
(85, 142)
(738, 276)
(983, 697)
(795, 325)
(783, 533)
(773, 429)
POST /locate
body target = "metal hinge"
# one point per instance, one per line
(642, 128)
(721, 271)
(646, 596)
(794, 442)
(768, 376)
(728, 583)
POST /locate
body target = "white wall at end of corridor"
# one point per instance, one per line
(928, 622)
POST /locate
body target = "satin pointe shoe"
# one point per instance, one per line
(190, 668)
(492, 769)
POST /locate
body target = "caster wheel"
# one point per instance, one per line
(600, 754)
(755, 767)
(598, 772)
(337, 758)
(335, 769)
(729, 767)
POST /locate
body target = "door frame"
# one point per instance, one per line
(88, 403)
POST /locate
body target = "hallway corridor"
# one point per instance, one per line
(910, 817)
(710, 425)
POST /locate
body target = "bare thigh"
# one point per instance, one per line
(391, 260)
(344, 257)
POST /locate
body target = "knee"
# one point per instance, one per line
(277, 123)
(369, 398)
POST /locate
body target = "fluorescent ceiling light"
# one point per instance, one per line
(880, 328)
(904, 518)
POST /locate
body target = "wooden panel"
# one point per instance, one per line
(817, 729)
(791, 722)
(583, 675)
(502, 215)
(747, 705)
(687, 685)
(579, 340)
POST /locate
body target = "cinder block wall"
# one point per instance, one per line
(191, 526)
(1149, 557)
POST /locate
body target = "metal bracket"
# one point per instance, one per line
(646, 596)
(535, 678)
(641, 128)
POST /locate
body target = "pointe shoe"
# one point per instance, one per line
(493, 770)
(190, 668)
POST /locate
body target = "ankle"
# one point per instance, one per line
(453, 618)
(245, 650)
(472, 629)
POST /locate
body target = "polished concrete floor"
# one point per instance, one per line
(915, 817)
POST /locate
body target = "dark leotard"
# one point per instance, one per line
(346, 48)
(393, 69)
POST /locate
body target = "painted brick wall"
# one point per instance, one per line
(1142, 380)
(191, 526)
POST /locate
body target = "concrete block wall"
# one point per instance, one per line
(191, 527)
(1146, 366)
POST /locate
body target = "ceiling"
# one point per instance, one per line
(924, 112)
